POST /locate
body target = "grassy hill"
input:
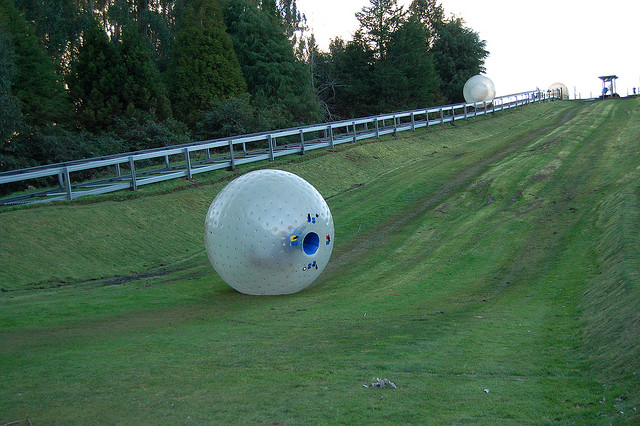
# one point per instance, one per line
(488, 270)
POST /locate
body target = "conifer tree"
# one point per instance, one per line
(204, 67)
(292, 19)
(357, 70)
(143, 92)
(378, 22)
(430, 14)
(279, 84)
(96, 80)
(459, 54)
(406, 77)
(36, 85)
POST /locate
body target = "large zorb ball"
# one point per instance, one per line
(269, 232)
(479, 88)
(564, 91)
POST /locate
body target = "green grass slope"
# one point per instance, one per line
(488, 270)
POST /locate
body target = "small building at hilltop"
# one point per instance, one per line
(609, 86)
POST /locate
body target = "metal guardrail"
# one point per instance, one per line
(134, 169)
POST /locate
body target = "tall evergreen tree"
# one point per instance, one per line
(378, 22)
(279, 84)
(96, 80)
(295, 27)
(116, 80)
(352, 75)
(459, 54)
(407, 77)
(36, 85)
(157, 24)
(204, 67)
(142, 90)
(430, 14)
(292, 19)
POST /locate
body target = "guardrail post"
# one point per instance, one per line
(166, 162)
(395, 125)
(441, 116)
(132, 167)
(330, 137)
(118, 173)
(466, 111)
(355, 139)
(61, 180)
(413, 122)
(270, 140)
(232, 164)
(377, 129)
(301, 142)
(67, 179)
(187, 158)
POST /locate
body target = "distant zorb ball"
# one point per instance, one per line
(564, 91)
(479, 88)
(269, 232)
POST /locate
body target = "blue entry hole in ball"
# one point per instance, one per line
(311, 243)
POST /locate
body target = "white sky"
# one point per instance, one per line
(532, 44)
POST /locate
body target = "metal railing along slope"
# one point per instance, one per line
(134, 169)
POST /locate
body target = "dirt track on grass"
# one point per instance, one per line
(381, 235)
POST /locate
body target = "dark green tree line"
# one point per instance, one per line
(92, 77)
(398, 59)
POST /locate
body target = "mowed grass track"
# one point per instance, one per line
(489, 270)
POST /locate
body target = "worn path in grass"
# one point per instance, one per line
(488, 270)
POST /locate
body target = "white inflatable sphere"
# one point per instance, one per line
(269, 232)
(564, 91)
(479, 88)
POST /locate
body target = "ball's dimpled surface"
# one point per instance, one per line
(479, 88)
(269, 232)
